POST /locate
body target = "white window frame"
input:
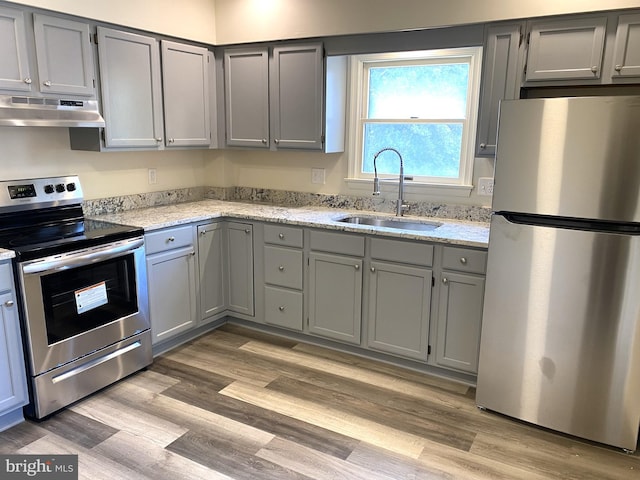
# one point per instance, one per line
(420, 185)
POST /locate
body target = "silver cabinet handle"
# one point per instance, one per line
(463, 260)
(276, 141)
(47, 83)
(357, 267)
(264, 141)
(158, 139)
(247, 231)
(483, 146)
(445, 280)
(171, 239)
(281, 308)
(28, 81)
(203, 233)
(281, 268)
(281, 236)
(8, 303)
(171, 140)
(594, 68)
(373, 269)
(617, 68)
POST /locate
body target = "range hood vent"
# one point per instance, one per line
(16, 111)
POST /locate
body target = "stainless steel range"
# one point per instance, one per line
(82, 289)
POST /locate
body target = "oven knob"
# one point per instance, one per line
(60, 188)
(48, 189)
(71, 187)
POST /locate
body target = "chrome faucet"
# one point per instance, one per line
(401, 207)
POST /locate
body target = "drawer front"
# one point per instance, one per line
(168, 239)
(281, 235)
(283, 308)
(283, 267)
(464, 260)
(337, 243)
(413, 253)
(5, 277)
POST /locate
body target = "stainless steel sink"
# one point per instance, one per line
(391, 223)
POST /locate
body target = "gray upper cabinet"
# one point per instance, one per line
(626, 56)
(296, 97)
(131, 89)
(566, 49)
(62, 57)
(500, 81)
(185, 75)
(246, 87)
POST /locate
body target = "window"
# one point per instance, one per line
(424, 104)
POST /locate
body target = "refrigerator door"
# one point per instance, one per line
(561, 332)
(569, 157)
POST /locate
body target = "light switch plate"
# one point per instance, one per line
(317, 175)
(153, 177)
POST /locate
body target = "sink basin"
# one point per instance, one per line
(391, 223)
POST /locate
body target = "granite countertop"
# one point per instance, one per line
(457, 232)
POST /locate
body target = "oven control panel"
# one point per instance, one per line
(32, 193)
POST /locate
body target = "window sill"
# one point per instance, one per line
(411, 188)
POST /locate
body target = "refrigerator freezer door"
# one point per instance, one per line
(569, 157)
(561, 332)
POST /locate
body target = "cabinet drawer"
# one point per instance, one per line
(283, 266)
(168, 239)
(404, 252)
(5, 277)
(280, 235)
(283, 308)
(464, 260)
(337, 243)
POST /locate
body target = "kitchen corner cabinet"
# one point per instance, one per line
(335, 286)
(626, 56)
(13, 380)
(239, 269)
(278, 99)
(171, 274)
(566, 49)
(63, 56)
(211, 260)
(500, 81)
(185, 75)
(460, 308)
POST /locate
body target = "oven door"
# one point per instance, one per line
(82, 301)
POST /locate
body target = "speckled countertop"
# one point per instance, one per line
(471, 234)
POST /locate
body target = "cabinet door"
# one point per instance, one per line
(500, 81)
(296, 88)
(131, 91)
(172, 292)
(335, 296)
(246, 89)
(399, 309)
(64, 56)
(185, 75)
(239, 241)
(211, 269)
(459, 321)
(13, 380)
(14, 67)
(566, 49)
(626, 56)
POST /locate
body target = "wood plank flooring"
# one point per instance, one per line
(241, 404)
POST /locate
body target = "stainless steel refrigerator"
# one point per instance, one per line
(560, 341)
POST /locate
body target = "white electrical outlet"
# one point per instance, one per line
(153, 176)
(485, 186)
(317, 175)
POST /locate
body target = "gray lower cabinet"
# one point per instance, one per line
(211, 261)
(239, 269)
(460, 308)
(13, 380)
(172, 276)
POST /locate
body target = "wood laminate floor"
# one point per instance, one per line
(239, 404)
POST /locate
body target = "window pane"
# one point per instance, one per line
(431, 150)
(418, 91)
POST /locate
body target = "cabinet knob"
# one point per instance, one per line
(158, 139)
(357, 267)
(463, 260)
(281, 308)
(276, 141)
(47, 83)
(618, 68)
(281, 268)
(483, 146)
(28, 81)
(171, 239)
(264, 141)
(247, 231)
(172, 140)
(373, 269)
(203, 233)
(594, 69)
(445, 280)
(281, 236)
(8, 303)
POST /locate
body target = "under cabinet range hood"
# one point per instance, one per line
(18, 111)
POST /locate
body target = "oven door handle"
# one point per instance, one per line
(82, 258)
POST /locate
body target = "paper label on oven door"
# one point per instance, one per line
(91, 297)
